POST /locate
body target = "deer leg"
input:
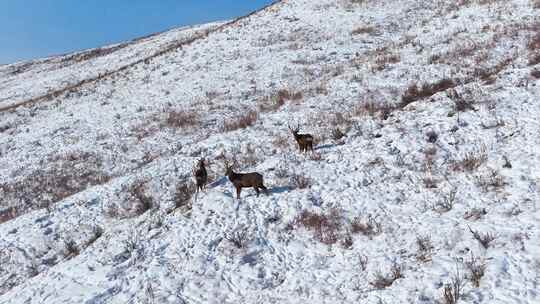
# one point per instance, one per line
(238, 190)
(264, 189)
(257, 190)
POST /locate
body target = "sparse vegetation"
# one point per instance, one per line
(63, 176)
(484, 239)
(141, 201)
(415, 93)
(240, 122)
(446, 204)
(182, 118)
(472, 160)
(382, 281)
(299, 181)
(477, 268)
(325, 226)
(370, 227)
(425, 247)
(453, 290)
(239, 238)
(183, 193)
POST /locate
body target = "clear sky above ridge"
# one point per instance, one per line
(39, 28)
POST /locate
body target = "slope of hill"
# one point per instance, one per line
(426, 169)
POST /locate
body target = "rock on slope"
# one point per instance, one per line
(438, 103)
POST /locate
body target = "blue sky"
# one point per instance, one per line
(39, 28)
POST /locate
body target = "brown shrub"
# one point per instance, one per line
(477, 268)
(452, 291)
(471, 161)
(414, 93)
(463, 101)
(299, 181)
(371, 227)
(363, 30)
(484, 239)
(425, 247)
(182, 119)
(241, 122)
(325, 226)
(534, 41)
(182, 195)
(534, 58)
(141, 201)
(373, 108)
(382, 281)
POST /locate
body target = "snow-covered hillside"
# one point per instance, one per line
(426, 169)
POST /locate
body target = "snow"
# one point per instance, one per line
(117, 127)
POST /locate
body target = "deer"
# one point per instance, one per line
(305, 141)
(245, 180)
(201, 176)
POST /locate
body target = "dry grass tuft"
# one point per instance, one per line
(241, 122)
(477, 269)
(472, 160)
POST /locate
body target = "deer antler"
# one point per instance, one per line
(294, 130)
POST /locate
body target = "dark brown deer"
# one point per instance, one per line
(305, 141)
(201, 176)
(245, 180)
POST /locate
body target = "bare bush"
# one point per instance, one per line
(183, 194)
(337, 134)
(534, 41)
(315, 156)
(382, 281)
(325, 226)
(536, 73)
(241, 122)
(374, 108)
(414, 92)
(472, 160)
(453, 290)
(240, 238)
(491, 179)
(276, 101)
(425, 248)
(141, 201)
(71, 249)
(462, 101)
(97, 232)
(363, 30)
(484, 239)
(370, 227)
(182, 119)
(299, 181)
(475, 214)
(477, 268)
(446, 204)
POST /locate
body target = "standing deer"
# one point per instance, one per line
(245, 180)
(201, 176)
(305, 141)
